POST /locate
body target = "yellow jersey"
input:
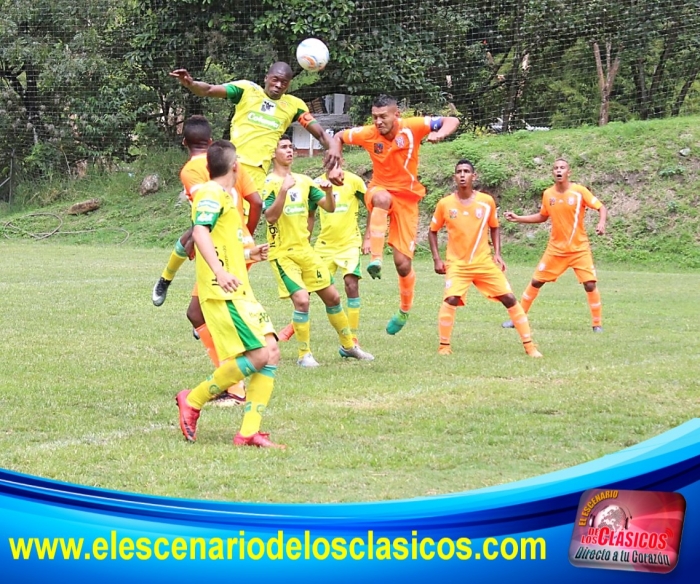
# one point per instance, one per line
(339, 230)
(217, 209)
(259, 121)
(291, 231)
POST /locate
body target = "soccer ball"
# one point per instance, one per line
(312, 55)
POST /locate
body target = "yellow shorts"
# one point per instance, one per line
(403, 220)
(300, 270)
(347, 260)
(236, 326)
(487, 278)
(552, 266)
(258, 174)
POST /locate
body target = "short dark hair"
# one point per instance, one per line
(384, 100)
(220, 158)
(464, 161)
(285, 137)
(197, 131)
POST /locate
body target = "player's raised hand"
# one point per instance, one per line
(182, 76)
(259, 252)
(439, 266)
(336, 176)
(325, 185)
(288, 182)
(228, 282)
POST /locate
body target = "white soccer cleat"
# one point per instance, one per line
(356, 353)
(307, 361)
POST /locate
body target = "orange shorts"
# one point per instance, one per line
(552, 266)
(403, 219)
(487, 278)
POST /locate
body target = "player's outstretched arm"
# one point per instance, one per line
(600, 228)
(438, 264)
(332, 160)
(449, 125)
(328, 203)
(254, 211)
(199, 88)
(534, 218)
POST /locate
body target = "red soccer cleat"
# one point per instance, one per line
(188, 416)
(286, 333)
(259, 439)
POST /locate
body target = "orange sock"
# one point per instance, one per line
(596, 307)
(407, 285)
(519, 318)
(446, 322)
(529, 297)
(208, 342)
(377, 232)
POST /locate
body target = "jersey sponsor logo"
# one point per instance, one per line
(342, 208)
(294, 195)
(297, 209)
(265, 120)
(378, 148)
(204, 217)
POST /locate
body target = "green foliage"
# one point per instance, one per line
(491, 173)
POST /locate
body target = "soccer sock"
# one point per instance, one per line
(302, 331)
(257, 398)
(529, 297)
(208, 342)
(339, 321)
(596, 307)
(407, 286)
(177, 258)
(230, 372)
(446, 322)
(519, 318)
(354, 315)
(377, 232)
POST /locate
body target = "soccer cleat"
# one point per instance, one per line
(534, 353)
(160, 291)
(597, 329)
(227, 400)
(397, 322)
(259, 439)
(307, 360)
(444, 349)
(374, 269)
(507, 324)
(355, 353)
(188, 416)
(286, 333)
(195, 334)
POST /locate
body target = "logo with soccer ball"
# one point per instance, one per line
(313, 55)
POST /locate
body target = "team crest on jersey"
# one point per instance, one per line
(378, 147)
(479, 213)
(293, 195)
(552, 200)
(453, 213)
(570, 201)
(267, 107)
(400, 142)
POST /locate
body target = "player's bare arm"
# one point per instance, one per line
(205, 247)
(600, 228)
(327, 204)
(259, 252)
(254, 211)
(534, 218)
(449, 125)
(199, 88)
(438, 264)
(273, 213)
(335, 150)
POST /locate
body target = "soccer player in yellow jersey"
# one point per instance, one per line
(566, 203)
(339, 244)
(470, 216)
(241, 329)
(287, 199)
(262, 116)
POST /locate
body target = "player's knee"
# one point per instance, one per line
(351, 286)
(381, 199)
(258, 358)
(194, 314)
(452, 300)
(301, 302)
(403, 266)
(536, 284)
(508, 300)
(589, 286)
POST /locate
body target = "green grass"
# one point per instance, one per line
(90, 368)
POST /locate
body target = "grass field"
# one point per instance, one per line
(89, 369)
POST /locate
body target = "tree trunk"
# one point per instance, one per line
(657, 78)
(678, 103)
(640, 82)
(606, 79)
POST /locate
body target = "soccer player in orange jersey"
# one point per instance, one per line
(565, 203)
(470, 216)
(394, 192)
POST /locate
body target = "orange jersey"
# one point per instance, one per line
(467, 228)
(395, 162)
(194, 174)
(567, 211)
